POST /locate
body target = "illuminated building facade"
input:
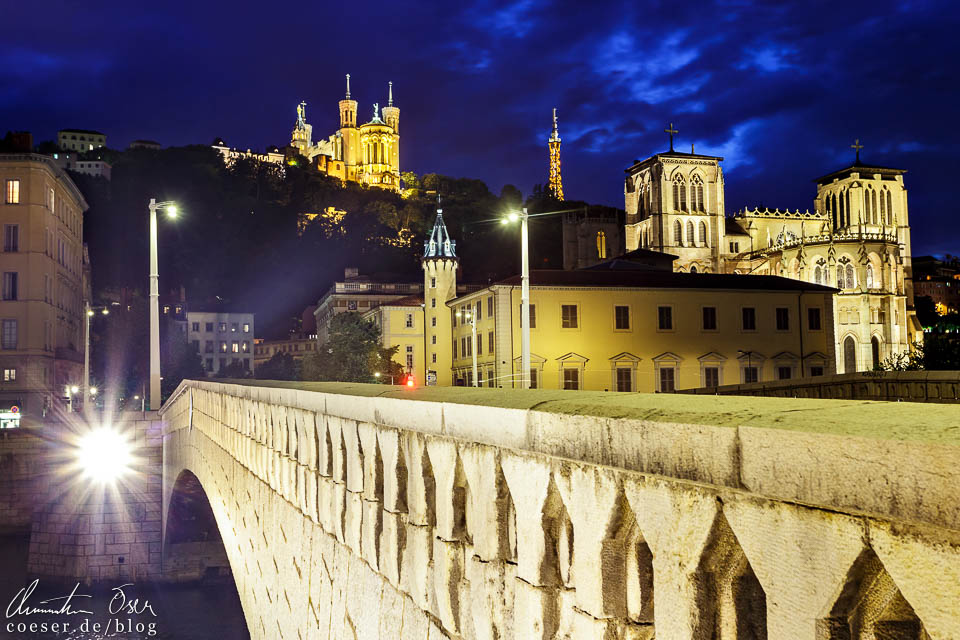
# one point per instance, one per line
(556, 179)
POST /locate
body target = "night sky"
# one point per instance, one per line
(779, 89)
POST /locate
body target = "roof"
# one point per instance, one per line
(733, 228)
(653, 279)
(860, 167)
(96, 133)
(215, 309)
(406, 301)
(57, 170)
(672, 154)
(637, 259)
(439, 244)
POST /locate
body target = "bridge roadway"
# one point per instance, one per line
(359, 511)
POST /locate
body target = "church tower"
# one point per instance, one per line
(391, 115)
(674, 202)
(440, 264)
(553, 143)
(350, 134)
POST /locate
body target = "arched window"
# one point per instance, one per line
(843, 211)
(883, 206)
(678, 233)
(679, 194)
(838, 214)
(889, 208)
(601, 245)
(841, 280)
(873, 210)
(875, 351)
(869, 276)
(691, 239)
(849, 355)
(696, 194)
(817, 275)
(850, 281)
(693, 268)
(703, 233)
(867, 202)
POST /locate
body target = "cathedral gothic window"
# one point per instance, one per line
(703, 233)
(679, 194)
(889, 208)
(678, 233)
(691, 239)
(870, 282)
(883, 206)
(696, 194)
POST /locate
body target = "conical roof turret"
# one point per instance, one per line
(438, 244)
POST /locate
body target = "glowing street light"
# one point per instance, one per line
(104, 454)
(171, 210)
(524, 296)
(91, 311)
(378, 374)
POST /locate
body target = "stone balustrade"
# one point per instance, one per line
(361, 511)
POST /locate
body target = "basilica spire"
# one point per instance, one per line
(348, 87)
(390, 96)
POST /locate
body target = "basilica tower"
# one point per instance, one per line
(391, 116)
(350, 134)
(440, 265)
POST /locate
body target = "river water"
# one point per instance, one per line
(143, 610)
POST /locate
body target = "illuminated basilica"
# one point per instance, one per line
(368, 154)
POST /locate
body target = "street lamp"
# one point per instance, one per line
(91, 311)
(171, 210)
(71, 390)
(472, 319)
(377, 376)
(524, 297)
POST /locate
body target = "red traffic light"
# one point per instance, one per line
(410, 382)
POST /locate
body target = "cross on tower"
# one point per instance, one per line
(857, 146)
(671, 131)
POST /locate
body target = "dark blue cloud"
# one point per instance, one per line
(779, 89)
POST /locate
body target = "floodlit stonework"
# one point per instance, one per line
(350, 512)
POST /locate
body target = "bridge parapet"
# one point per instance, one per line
(348, 511)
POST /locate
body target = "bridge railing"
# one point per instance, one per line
(579, 514)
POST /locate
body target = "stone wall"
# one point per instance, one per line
(436, 515)
(23, 478)
(907, 386)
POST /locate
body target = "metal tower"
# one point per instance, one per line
(556, 180)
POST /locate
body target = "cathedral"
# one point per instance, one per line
(856, 238)
(368, 154)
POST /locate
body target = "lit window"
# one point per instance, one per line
(13, 192)
(235, 347)
(9, 375)
(246, 346)
(246, 327)
(223, 327)
(234, 327)
(223, 347)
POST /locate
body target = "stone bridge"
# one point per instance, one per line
(348, 511)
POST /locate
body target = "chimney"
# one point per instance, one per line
(22, 141)
(351, 272)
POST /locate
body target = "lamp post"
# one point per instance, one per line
(472, 319)
(377, 375)
(86, 345)
(524, 296)
(171, 209)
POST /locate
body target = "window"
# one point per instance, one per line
(709, 318)
(665, 318)
(711, 376)
(870, 283)
(433, 304)
(13, 192)
(433, 339)
(696, 195)
(479, 344)
(678, 233)
(433, 358)
(691, 239)
(469, 351)
(209, 327)
(621, 317)
(533, 316)
(749, 318)
(409, 357)
(246, 327)
(245, 346)
(166, 309)
(8, 338)
(489, 377)
(703, 234)
(490, 343)
(679, 194)
(624, 379)
(534, 383)
(223, 347)
(234, 327)
(454, 350)
(813, 319)
(490, 306)
(783, 319)
(9, 375)
(235, 347)
(433, 283)
(568, 316)
(816, 371)
(571, 378)
(10, 282)
(751, 374)
(11, 237)
(463, 347)
(195, 326)
(601, 245)
(667, 375)
(433, 321)
(479, 310)
(409, 321)
(223, 327)
(734, 247)
(784, 373)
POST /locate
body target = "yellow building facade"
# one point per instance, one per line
(367, 153)
(401, 325)
(644, 330)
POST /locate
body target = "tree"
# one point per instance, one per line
(282, 366)
(178, 361)
(234, 370)
(352, 353)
